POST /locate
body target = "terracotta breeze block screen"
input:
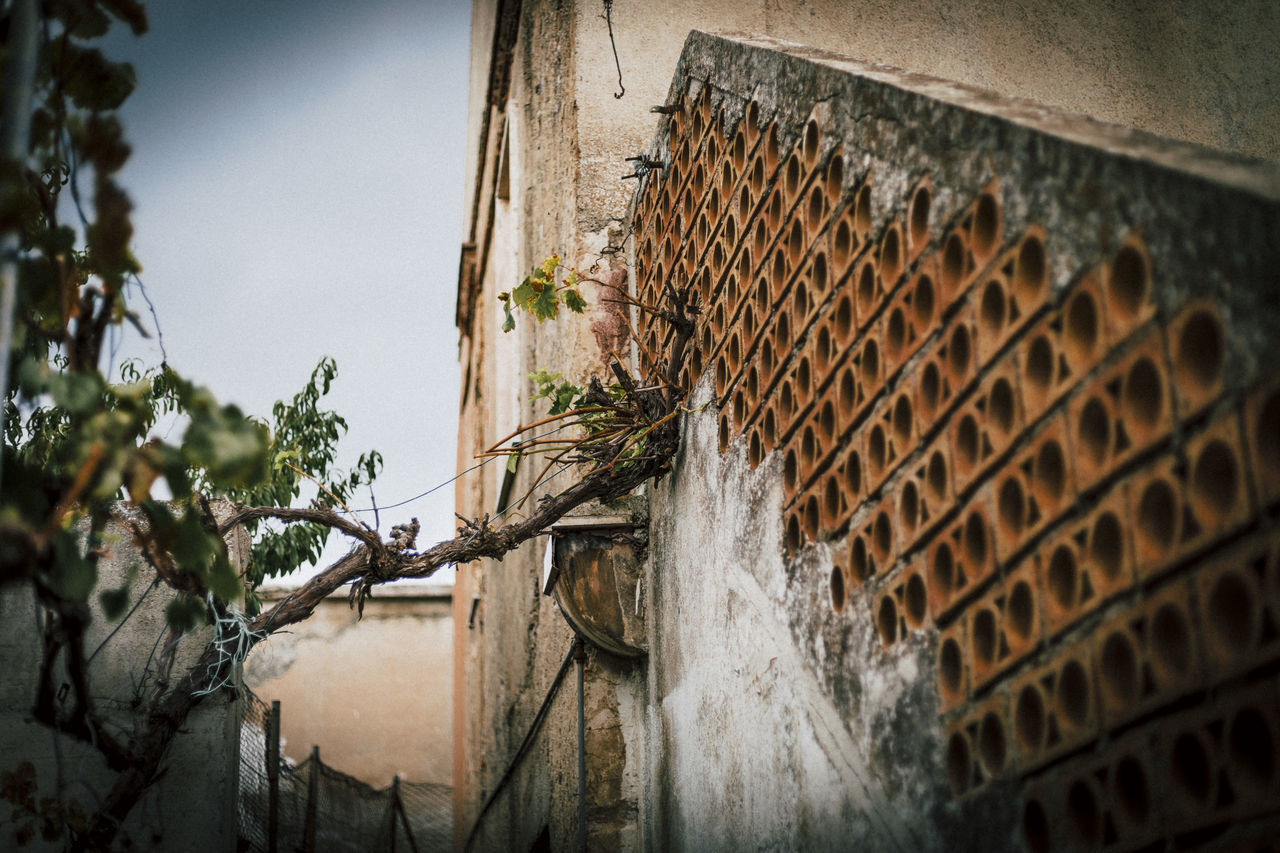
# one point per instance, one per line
(1022, 383)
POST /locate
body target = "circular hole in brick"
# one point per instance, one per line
(782, 333)
(718, 318)
(871, 364)
(791, 470)
(821, 275)
(1201, 350)
(837, 589)
(975, 540)
(1020, 611)
(1013, 506)
(1266, 432)
(1251, 748)
(730, 230)
(916, 599)
(954, 263)
(1215, 479)
(735, 352)
(862, 210)
(724, 432)
(866, 289)
(993, 310)
(882, 536)
(1132, 790)
(1083, 817)
(991, 744)
(950, 666)
(766, 358)
(895, 334)
(771, 149)
(876, 449)
(984, 637)
(739, 407)
(738, 153)
(755, 449)
(817, 208)
(967, 437)
(764, 295)
(834, 179)
(842, 243)
(769, 429)
(1192, 774)
(786, 402)
(860, 565)
(959, 764)
(812, 517)
(1157, 512)
(752, 119)
(1035, 828)
(936, 477)
(749, 321)
(792, 175)
(827, 422)
(1039, 364)
(800, 299)
(831, 500)
(918, 216)
(930, 391)
(822, 350)
(1029, 270)
(847, 394)
(1106, 545)
(902, 420)
(756, 179)
(808, 450)
(923, 303)
(887, 620)
(1073, 694)
(959, 352)
(1129, 282)
(722, 375)
(943, 570)
(794, 536)
(1118, 668)
(1001, 406)
(891, 255)
(1143, 395)
(909, 507)
(1095, 431)
(842, 319)
(1170, 642)
(1063, 578)
(804, 380)
(1051, 472)
(1082, 327)
(1233, 613)
(853, 474)
(1029, 720)
(812, 142)
(986, 225)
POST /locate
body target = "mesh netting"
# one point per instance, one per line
(319, 808)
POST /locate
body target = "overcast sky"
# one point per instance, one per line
(297, 176)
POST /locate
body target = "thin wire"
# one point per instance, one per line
(608, 18)
(146, 592)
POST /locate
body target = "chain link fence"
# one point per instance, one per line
(318, 808)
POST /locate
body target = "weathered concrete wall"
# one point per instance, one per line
(375, 693)
(1193, 70)
(995, 608)
(192, 807)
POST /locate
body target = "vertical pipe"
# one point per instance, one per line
(580, 657)
(19, 77)
(273, 777)
(313, 799)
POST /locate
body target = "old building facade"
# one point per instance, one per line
(971, 540)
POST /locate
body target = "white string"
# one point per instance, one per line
(232, 640)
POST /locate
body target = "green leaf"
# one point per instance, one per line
(510, 322)
(573, 301)
(195, 546)
(513, 461)
(185, 613)
(71, 575)
(114, 601)
(547, 305)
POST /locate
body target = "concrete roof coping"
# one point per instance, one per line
(1247, 174)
